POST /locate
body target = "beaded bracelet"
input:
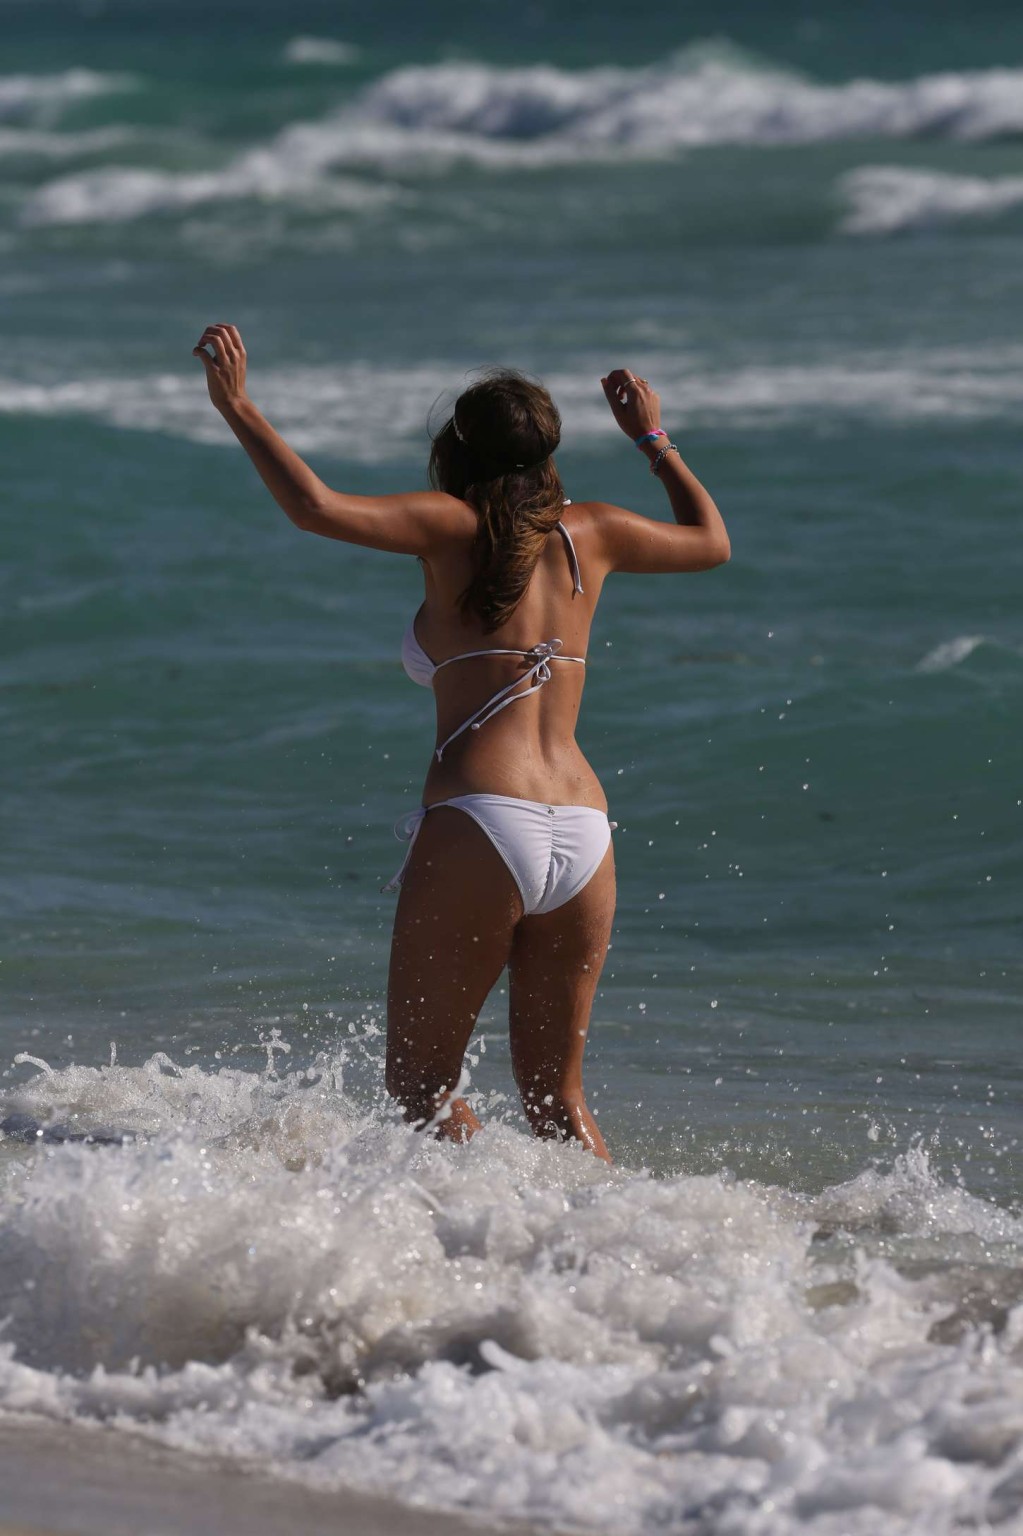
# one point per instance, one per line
(648, 437)
(661, 455)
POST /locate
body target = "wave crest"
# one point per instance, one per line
(322, 408)
(887, 199)
(320, 50)
(693, 100)
(25, 95)
(416, 119)
(950, 653)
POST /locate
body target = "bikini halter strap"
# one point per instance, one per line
(577, 580)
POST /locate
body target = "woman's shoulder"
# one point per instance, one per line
(450, 519)
(591, 519)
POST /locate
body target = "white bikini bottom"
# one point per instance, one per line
(551, 851)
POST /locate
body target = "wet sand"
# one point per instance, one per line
(75, 1480)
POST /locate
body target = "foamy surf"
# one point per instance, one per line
(271, 1269)
(423, 119)
(32, 144)
(322, 407)
(949, 653)
(32, 95)
(890, 199)
(701, 97)
(114, 195)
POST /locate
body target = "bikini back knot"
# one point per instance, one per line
(544, 653)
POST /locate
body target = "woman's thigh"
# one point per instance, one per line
(555, 965)
(453, 930)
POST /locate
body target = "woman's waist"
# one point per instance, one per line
(521, 769)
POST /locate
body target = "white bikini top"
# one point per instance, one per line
(422, 670)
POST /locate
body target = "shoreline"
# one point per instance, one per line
(59, 1479)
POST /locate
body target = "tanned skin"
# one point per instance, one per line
(459, 921)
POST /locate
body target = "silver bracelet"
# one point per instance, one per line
(655, 462)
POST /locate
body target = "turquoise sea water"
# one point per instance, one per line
(807, 233)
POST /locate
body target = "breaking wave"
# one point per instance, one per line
(702, 97)
(949, 653)
(113, 195)
(266, 1267)
(419, 119)
(27, 95)
(887, 199)
(37, 143)
(321, 407)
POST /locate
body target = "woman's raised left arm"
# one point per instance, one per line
(411, 523)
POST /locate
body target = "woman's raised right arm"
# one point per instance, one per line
(698, 539)
(410, 523)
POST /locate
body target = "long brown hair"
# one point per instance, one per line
(494, 451)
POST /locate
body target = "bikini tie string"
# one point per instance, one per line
(542, 654)
(406, 830)
(534, 677)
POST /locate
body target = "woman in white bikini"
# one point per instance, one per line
(510, 860)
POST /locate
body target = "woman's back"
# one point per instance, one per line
(528, 751)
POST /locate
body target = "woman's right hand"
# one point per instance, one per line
(222, 354)
(635, 406)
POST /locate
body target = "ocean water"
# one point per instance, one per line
(796, 1305)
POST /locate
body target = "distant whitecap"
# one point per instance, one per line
(888, 199)
(21, 95)
(321, 407)
(414, 120)
(320, 50)
(950, 653)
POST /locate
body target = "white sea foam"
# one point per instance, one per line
(24, 95)
(322, 408)
(886, 199)
(695, 99)
(272, 1270)
(949, 653)
(114, 195)
(320, 50)
(37, 143)
(420, 119)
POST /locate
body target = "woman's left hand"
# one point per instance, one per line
(225, 367)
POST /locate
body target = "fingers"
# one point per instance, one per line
(232, 335)
(622, 390)
(621, 384)
(622, 376)
(225, 340)
(620, 379)
(212, 338)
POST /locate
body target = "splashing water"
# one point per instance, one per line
(268, 1268)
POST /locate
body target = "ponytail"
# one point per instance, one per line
(495, 452)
